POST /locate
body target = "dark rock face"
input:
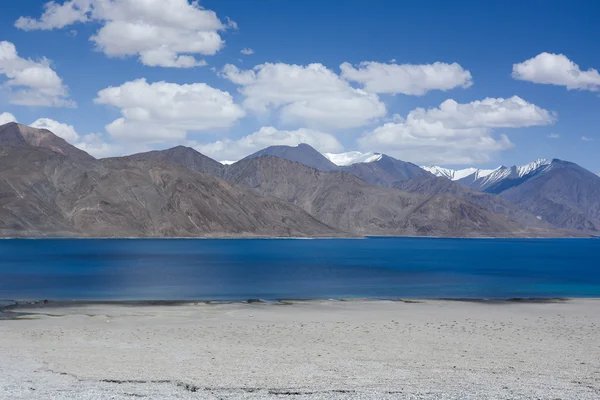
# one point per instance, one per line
(350, 204)
(386, 171)
(303, 154)
(50, 188)
(434, 185)
(565, 194)
(184, 156)
(383, 172)
(43, 193)
(14, 134)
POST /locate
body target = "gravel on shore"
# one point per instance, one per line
(430, 349)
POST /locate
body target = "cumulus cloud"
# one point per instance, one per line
(163, 112)
(31, 83)
(554, 136)
(407, 79)
(269, 136)
(513, 112)
(5, 118)
(166, 33)
(65, 131)
(96, 144)
(556, 69)
(455, 133)
(247, 51)
(310, 95)
(586, 139)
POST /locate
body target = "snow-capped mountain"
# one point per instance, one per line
(457, 174)
(492, 180)
(352, 157)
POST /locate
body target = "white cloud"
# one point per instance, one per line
(247, 51)
(269, 136)
(455, 133)
(65, 131)
(164, 33)
(407, 79)
(31, 83)
(5, 118)
(513, 112)
(163, 112)
(554, 136)
(556, 69)
(587, 139)
(310, 95)
(57, 15)
(97, 145)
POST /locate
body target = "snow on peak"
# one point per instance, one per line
(352, 157)
(529, 168)
(456, 174)
(440, 171)
(490, 175)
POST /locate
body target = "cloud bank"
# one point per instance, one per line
(166, 33)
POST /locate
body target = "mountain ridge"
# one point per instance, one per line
(18, 135)
(48, 194)
(381, 196)
(345, 201)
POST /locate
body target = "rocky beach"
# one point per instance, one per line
(417, 349)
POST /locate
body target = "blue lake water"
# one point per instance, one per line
(298, 269)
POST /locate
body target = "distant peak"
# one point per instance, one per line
(183, 148)
(529, 168)
(11, 123)
(353, 157)
(457, 174)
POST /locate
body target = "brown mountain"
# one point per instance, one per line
(185, 156)
(344, 201)
(303, 154)
(386, 171)
(433, 185)
(14, 134)
(564, 194)
(48, 187)
(44, 193)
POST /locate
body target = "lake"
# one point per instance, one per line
(207, 269)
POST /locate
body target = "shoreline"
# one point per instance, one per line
(19, 309)
(355, 237)
(9, 304)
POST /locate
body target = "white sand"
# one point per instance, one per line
(322, 350)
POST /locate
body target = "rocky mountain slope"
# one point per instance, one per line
(375, 169)
(344, 201)
(184, 156)
(434, 185)
(303, 154)
(49, 187)
(555, 191)
(385, 171)
(56, 191)
(564, 194)
(14, 134)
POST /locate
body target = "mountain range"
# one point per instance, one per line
(50, 188)
(560, 192)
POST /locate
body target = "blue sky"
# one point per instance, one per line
(372, 108)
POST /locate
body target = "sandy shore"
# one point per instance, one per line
(307, 350)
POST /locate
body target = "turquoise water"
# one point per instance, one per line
(298, 269)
